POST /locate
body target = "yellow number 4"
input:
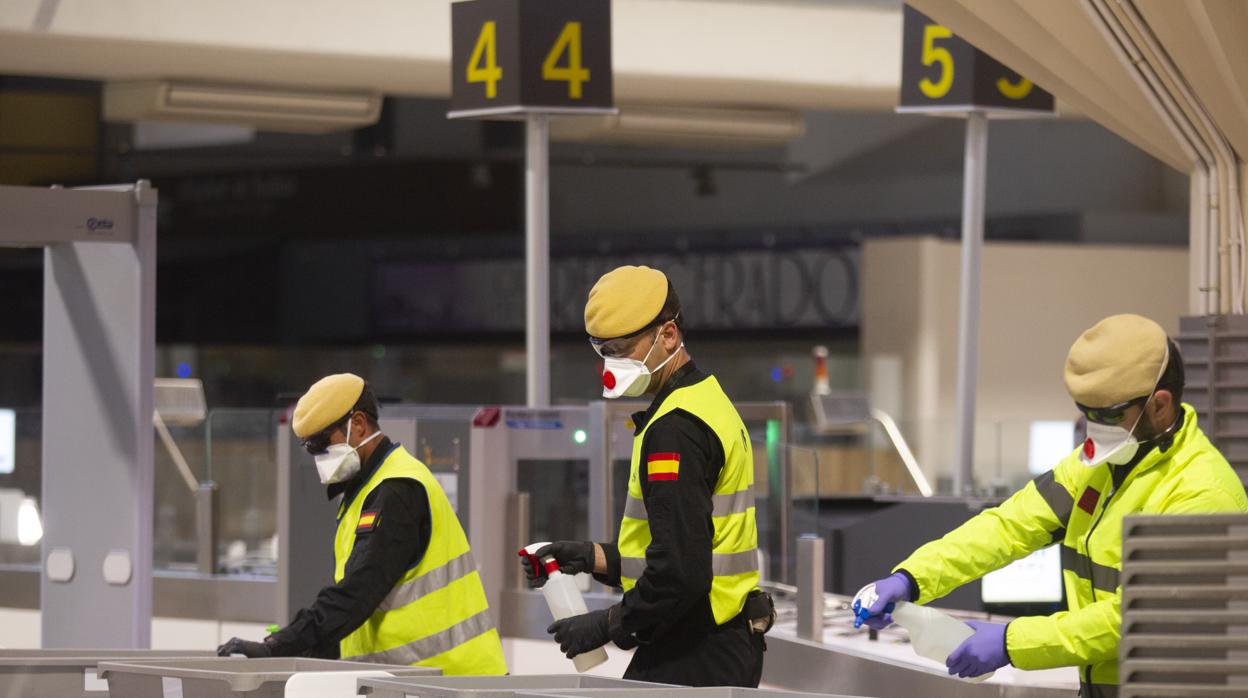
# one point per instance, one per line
(486, 49)
(574, 74)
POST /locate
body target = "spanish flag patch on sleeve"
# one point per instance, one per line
(368, 521)
(662, 466)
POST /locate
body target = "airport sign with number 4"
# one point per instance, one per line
(530, 56)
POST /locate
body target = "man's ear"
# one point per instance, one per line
(1162, 401)
(671, 337)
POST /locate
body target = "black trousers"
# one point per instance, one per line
(729, 655)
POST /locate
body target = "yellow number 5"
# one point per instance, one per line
(489, 73)
(933, 54)
(574, 74)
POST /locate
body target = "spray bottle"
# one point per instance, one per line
(563, 598)
(933, 633)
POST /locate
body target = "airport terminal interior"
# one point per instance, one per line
(889, 227)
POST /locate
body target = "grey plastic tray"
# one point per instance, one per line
(225, 677)
(491, 686)
(716, 692)
(67, 673)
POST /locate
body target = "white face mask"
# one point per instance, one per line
(340, 462)
(624, 377)
(1107, 443)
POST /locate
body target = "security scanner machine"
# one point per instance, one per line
(99, 342)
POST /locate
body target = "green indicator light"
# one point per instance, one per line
(579, 436)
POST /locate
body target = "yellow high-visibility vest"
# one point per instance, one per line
(1078, 507)
(437, 615)
(734, 549)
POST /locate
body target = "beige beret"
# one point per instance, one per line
(624, 300)
(327, 401)
(1119, 359)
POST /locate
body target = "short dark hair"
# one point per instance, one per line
(368, 405)
(1172, 379)
(671, 310)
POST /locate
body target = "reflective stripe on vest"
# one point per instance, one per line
(431, 645)
(1102, 577)
(721, 504)
(722, 564)
(734, 555)
(437, 614)
(427, 583)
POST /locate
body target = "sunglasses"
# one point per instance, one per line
(1112, 415)
(319, 442)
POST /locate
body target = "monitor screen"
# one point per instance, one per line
(1049, 443)
(1036, 578)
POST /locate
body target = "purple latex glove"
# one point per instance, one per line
(980, 653)
(891, 589)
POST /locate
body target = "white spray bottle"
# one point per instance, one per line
(933, 633)
(564, 599)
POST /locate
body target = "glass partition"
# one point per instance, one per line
(442, 445)
(558, 498)
(173, 535)
(240, 458)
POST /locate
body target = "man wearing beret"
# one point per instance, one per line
(687, 551)
(406, 589)
(1144, 454)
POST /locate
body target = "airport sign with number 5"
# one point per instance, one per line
(941, 72)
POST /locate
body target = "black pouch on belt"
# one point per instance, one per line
(759, 611)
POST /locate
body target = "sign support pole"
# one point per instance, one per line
(974, 168)
(537, 259)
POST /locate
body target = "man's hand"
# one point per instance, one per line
(247, 648)
(580, 634)
(573, 556)
(980, 653)
(876, 599)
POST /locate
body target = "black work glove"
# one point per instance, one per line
(573, 556)
(247, 648)
(580, 634)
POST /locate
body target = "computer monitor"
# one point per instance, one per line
(1035, 579)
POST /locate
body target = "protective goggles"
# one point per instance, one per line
(622, 346)
(1112, 415)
